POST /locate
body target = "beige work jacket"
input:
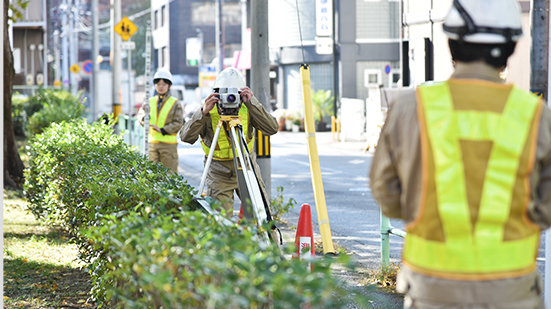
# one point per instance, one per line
(174, 119)
(395, 180)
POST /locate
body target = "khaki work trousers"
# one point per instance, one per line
(422, 292)
(165, 153)
(221, 182)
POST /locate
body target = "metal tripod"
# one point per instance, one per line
(254, 202)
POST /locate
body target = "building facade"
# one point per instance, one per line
(366, 51)
(173, 22)
(30, 52)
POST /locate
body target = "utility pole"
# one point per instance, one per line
(260, 76)
(539, 52)
(95, 64)
(73, 45)
(116, 62)
(64, 48)
(219, 42)
(57, 56)
(336, 61)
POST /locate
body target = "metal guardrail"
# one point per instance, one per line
(386, 230)
(132, 130)
(30, 90)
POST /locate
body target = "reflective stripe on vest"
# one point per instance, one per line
(223, 150)
(474, 247)
(159, 119)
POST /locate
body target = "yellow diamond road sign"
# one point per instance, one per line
(125, 28)
(75, 68)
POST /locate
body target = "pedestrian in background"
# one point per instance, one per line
(467, 164)
(221, 179)
(165, 120)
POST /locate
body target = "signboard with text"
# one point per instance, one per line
(324, 17)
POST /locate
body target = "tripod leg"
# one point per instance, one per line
(255, 169)
(253, 188)
(209, 159)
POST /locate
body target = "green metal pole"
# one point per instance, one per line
(385, 227)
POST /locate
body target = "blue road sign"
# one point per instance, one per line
(87, 67)
(387, 69)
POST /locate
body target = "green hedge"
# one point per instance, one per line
(34, 113)
(191, 261)
(78, 173)
(146, 246)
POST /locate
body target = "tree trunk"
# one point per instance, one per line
(13, 166)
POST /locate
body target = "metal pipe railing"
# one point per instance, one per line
(386, 230)
(133, 133)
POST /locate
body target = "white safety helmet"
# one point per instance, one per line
(162, 74)
(229, 78)
(484, 21)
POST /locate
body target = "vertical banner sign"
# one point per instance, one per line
(324, 17)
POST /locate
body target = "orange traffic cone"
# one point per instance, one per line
(304, 239)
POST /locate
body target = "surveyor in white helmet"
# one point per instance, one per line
(165, 120)
(466, 163)
(221, 180)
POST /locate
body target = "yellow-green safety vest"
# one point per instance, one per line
(158, 118)
(476, 229)
(223, 150)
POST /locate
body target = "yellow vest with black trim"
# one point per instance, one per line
(223, 150)
(478, 142)
(158, 118)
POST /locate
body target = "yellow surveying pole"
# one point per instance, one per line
(317, 184)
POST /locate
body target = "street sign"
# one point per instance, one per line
(194, 50)
(75, 68)
(125, 28)
(87, 66)
(387, 69)
(128, 45)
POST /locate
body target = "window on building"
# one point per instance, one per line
(395, 78)
(164, 56)
(377, 19)
(203, 13)
(163, 12)
(155, 19)
(372, 77)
